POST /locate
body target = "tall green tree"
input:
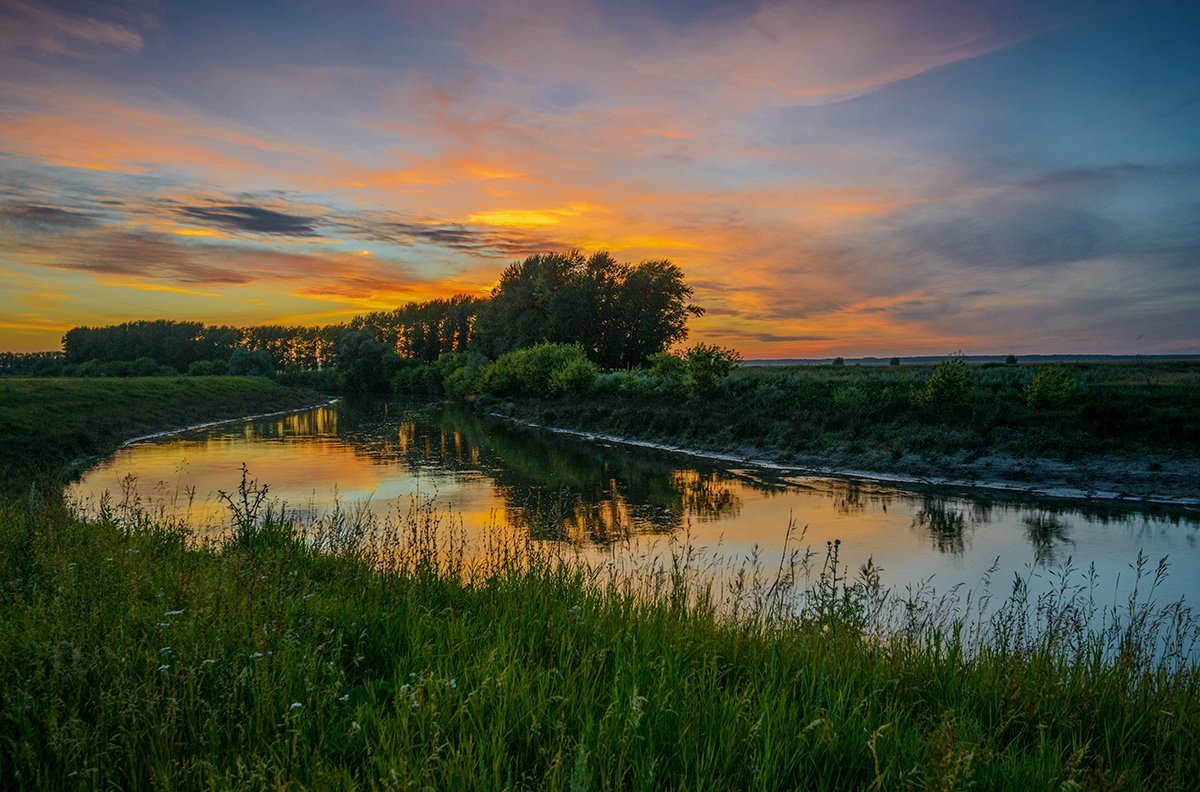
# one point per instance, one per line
(619, 313)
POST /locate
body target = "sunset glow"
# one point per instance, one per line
(834, 178)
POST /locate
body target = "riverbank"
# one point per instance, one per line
(53, 426)
(1150, 480)
(292, 656)
(296, 656)
(1105, 431)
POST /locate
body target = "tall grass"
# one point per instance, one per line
(356, 652)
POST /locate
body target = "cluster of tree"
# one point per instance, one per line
(614, 315)
(620, 314)
(194, 347)
(424, 331)
(31, 364)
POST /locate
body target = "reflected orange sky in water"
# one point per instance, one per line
(483, 475)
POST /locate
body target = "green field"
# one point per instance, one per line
(130, 658)
(46, 422)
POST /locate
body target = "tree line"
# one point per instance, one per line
(618, 314)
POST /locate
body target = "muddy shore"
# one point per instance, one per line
(1136, 479)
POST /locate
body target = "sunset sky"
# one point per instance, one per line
(834, 177)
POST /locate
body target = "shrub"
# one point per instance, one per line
(414, 377)
(207, 368)
(838, 361)
(1011, 360)
(667, 366)
(948, 386)
(1051, 386)
(460, 373)
(894, 361)
(543, 370)
(707, 364)
(576, 376)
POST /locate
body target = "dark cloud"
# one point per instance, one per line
(43, 217)
(480, 241)
(152, 256)
(255, 219)
(767, 337)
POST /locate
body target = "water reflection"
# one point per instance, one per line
(949, 523)
(1047, 532)
(487, 471)
(568, 490)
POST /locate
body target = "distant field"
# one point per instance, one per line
(46, 422)
(929, 360)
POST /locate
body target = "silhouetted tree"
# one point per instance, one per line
(619, 313)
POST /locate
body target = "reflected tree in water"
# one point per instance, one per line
(945, 523)
(553, 487)
(1047, 532)
(855, 497)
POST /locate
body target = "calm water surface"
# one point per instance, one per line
(487, 472)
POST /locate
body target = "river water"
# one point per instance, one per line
(484, 472)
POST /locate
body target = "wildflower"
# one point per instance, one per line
(208, 662)
(452, 684)
(255, 655)
(295, 705)
(164, 624)
(166, 650)
(164, 667)
(174, 612)
(344, 698)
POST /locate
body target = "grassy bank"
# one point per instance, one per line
(988, 424)
(132, 659)
(47, 423)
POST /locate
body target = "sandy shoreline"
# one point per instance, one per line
(1104, 479)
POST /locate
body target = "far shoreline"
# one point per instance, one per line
(1057, 480)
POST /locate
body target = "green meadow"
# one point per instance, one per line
(308, 656)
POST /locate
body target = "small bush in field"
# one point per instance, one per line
(1051, 386)
(948, 386)
(707, 364)
(894, 361)
(575, 376)
(667, 366)
(208, 368)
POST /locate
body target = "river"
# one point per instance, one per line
(603, 499)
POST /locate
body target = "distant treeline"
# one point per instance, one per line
(181, 344)
(618, 314)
